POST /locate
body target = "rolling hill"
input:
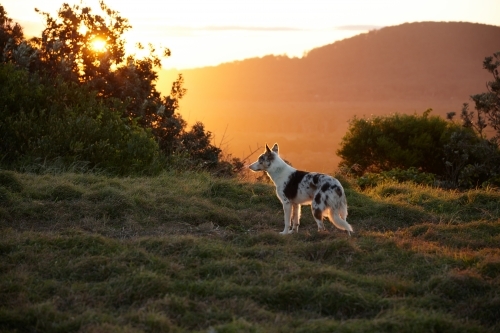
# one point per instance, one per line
(305, 103)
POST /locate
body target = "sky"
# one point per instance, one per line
(203, 33)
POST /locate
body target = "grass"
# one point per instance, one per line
(186, 252)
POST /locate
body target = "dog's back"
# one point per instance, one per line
(324, 193)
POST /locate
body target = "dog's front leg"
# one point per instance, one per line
(295, 217)
(287, 208)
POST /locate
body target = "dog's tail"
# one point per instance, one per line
(341, 223)
(338, 215)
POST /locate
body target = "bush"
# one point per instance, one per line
(396, 142)
(412, 147)
(410, 175)
(471, 161)
(42, 121)
(124, 86)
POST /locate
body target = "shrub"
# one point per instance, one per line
(471, 161)
(398, 175)
(384, 143)
(42, 121)
(412, 147)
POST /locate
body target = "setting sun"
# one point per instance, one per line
(98, 44)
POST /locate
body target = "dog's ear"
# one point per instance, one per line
(276, 148)
(268, 150)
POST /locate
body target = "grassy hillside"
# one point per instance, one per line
(185, 252)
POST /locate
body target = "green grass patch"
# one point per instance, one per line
(186, 252)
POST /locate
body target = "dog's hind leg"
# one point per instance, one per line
(295, 217)
(287, 208)
(318, 215)
(343, 209)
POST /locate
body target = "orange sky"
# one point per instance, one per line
(203, 33)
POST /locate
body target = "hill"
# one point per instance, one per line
(305, 103)
(186, 252)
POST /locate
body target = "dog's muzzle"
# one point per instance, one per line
(255, 166)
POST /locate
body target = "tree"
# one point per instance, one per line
(196, 141)
(11, 35)
(66, 45)
(66, 50)
(471, 158)
(487, 105)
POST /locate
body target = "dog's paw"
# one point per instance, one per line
(286, 232)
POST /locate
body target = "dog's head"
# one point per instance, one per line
(266, 159)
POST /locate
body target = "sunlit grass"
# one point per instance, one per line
(186, 252)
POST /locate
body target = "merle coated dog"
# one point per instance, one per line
(294, 188)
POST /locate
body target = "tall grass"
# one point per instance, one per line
(186, 252)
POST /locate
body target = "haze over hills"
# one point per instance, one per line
(305, 103)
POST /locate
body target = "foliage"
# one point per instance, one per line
(399, 141)
(487, 105)
(44, 121)
(65, 51)
(471, 158)
(196, 142)
(397, 146)
(186, 252)
(471, 161)
(66, 45)
(11, 35)
(396, 175)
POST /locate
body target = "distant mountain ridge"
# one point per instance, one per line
(404, 68)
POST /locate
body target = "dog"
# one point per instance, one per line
(294, 188)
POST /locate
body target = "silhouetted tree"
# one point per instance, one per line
(11, 35)
(66, 44)
(65, 49)
(196, 142)
(487, 105)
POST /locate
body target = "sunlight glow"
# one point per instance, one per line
(206, 33)
(98, 44)
(83, 29)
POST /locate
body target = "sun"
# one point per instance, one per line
(98, 44)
